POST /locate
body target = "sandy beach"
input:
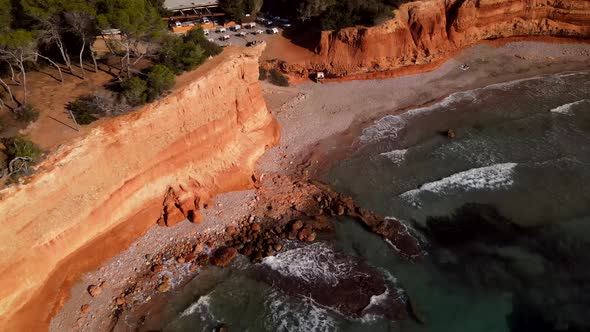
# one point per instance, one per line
(317, 120)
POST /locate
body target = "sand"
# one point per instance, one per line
(316, 119)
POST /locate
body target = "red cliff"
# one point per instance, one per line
(424, 32)
(92, 197)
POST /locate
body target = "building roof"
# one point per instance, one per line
(185, 4)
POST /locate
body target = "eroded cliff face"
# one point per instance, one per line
(423, 32)
(162, 163)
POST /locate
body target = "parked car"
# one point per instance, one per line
(287, 25)
(206, 20)
(252, 43)
(236, 27)
(269, 23)
(206, 32)
(242, 34)
(272, 31)
(224, 37)
(258, 32)
(211, 40)
(220, 29)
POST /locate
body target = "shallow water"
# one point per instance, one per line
(503, 211)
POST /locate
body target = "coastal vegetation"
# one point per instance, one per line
(76, 39)
(63, 35)
(334, 14)
(17, 155)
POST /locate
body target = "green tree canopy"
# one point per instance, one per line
(135, 18)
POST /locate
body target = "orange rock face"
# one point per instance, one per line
(423, 32)
(163, 163)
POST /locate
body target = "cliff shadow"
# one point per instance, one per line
(305, 35)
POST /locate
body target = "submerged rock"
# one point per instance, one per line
(334, 280)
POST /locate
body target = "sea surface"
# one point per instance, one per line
(502, 211)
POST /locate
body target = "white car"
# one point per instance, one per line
(220, 30)
(258, 32)
(242, 34)
(224, 37)
(272, 31)
(286, 25)
(206, 32)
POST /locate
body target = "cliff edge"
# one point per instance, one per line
(163, 163)
(427, 31)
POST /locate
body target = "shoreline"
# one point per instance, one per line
(312, 126)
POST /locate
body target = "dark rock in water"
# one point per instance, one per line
(222, 328)
(224, 256)
(451, 134)
(344, 283)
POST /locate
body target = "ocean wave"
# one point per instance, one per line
(305, 315)
(396, 156)
(202, 306)
(310, 263)
(492, 177)
(567, 108)
(391, 126)
(387, 127)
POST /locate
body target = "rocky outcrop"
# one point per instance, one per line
(163, 163)
(424, 32)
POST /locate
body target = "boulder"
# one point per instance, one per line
(224, 256)
(157, 268)
(94, 290)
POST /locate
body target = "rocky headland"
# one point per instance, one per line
(93, 197)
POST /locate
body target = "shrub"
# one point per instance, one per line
(262, 73)
(90, 108)
(27, 113)
(277, 78)
(134, 91)
(21, 146)
(83, 110)
(160, 79)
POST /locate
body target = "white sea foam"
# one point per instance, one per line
(202, 306)
(387, 127)
(310, 263)
(485, 178)
(567, 108)
(304, 315)
(396, 156)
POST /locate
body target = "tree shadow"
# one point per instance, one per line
(63, 123)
